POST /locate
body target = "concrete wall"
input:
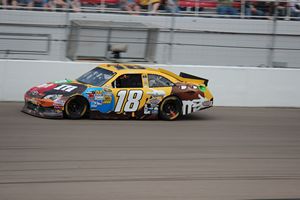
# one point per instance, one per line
(197, 41)
(231, 86)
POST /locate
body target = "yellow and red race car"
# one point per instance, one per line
(120, 91)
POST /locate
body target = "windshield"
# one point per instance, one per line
(97, 77)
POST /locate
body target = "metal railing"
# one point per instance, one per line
(197, 10)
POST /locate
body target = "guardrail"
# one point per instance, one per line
(278, 9)
(231, 86)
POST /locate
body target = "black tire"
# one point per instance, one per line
(170, 108)
(76, 107)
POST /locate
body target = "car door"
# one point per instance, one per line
(129, 93)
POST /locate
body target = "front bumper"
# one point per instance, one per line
(207, 104)
(40, 111)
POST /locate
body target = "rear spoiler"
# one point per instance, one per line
(184, 77)
(189, 76)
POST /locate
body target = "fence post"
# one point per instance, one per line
(171, 39)
(273, 36)
(243, 8)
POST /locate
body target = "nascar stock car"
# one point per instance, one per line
(120, 91)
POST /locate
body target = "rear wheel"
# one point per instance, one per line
(170, 108)
(76, 108)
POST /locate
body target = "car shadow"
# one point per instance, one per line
(198, 116)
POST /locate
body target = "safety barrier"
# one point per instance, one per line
(231, 86)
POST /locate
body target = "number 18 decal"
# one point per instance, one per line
(133, 100)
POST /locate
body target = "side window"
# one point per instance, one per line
(158, 81)
(128, 81)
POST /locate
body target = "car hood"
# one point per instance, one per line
(65, 88)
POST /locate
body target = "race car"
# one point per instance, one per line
(120, 91)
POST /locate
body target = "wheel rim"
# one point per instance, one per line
(76, 108)
(171, 110)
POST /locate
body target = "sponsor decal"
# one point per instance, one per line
(145, 80)
(157, 93)
(154, 100)
(33, 101)
(134, 67)
(34, 93)
(107, 89)
(130, 102)
(46, 85)
(150, 109)
(151, 106)
(107, 99)
(207, 103)
(58, 104)
(189, 106)
(66, 88)
(100, 99)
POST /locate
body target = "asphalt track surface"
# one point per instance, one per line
(219, 153)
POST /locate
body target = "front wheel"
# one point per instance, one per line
(170, 108)
(76, 108)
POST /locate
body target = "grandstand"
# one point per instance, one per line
(195, 35)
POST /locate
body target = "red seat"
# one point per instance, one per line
(185, 4)
(111, 2)
(208, 4)
(202, 4)
(195, 3)
(237, 4)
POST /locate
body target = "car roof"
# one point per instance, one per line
(120, 69)
(127, 68)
